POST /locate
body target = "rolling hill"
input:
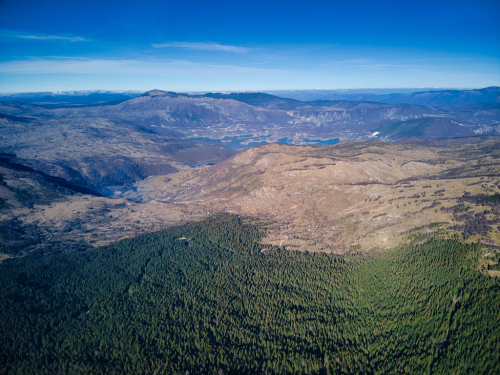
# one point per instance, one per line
(98, 153)
(322, 198)
(413, 96)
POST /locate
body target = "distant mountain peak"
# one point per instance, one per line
(156, 93)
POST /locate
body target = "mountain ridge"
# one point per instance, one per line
(215, 116)
(321, 198)
(160, 132)
(489, 94)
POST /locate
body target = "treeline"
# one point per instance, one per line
(480, 223)
(204, 298)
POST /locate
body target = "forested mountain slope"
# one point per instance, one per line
(208, 298)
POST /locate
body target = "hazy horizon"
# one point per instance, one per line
(386, 90)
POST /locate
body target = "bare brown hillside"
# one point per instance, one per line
(329, 198)
(321, 198)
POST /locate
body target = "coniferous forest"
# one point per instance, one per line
(205, 298)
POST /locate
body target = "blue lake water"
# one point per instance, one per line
(320, 142)
(236, 142)
(231, 142)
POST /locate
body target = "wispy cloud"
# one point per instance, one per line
(202, 46)
(54, 37)
(21, 35)
(148, 67)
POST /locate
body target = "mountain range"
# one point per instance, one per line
(390, 96)
(260, 115)
(132, 240)
(408, 96)
(106, 147)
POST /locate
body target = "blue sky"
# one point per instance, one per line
(57, 45)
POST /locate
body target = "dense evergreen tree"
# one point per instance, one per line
(204, 298)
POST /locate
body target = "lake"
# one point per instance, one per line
(236, 142)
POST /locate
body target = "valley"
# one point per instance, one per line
(321, 198)
(154, 160)
(132, 240)
(107, 146)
